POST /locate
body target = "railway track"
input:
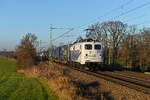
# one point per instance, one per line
(128, 81)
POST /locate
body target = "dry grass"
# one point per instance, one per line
(63, 85)
(56, 80)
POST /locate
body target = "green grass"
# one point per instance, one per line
(15, 86)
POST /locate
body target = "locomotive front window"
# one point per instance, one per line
(88, 47)
(97, 47)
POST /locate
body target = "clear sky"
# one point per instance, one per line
(17, 17)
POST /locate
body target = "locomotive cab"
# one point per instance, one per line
(92, 53)
(87, 52)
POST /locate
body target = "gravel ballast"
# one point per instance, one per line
(115, 90)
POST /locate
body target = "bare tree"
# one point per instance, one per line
(26, 51)
(123, 44)
(144, 49)
(115, 31)
(128, 48)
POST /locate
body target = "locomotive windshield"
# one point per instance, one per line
(88, 47)
(97, 47)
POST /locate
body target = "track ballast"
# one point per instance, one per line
(128, 81)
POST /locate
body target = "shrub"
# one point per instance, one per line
(26, 51)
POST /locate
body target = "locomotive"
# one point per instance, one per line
(87, 52)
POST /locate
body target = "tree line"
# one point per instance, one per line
(122, 44)
(125, 45)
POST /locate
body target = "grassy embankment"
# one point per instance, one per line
(15, 86)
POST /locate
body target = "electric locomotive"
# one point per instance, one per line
(87, 52)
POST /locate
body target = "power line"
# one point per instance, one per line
(117, 8)
(61, 28)
(144, 22)
(122, 14)
(120, 7)
(63, 34)
(131, 10)
(134, 18)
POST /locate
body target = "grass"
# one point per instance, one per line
(15, 86)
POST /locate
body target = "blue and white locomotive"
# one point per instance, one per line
(86, 52)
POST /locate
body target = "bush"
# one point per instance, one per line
(26, 51)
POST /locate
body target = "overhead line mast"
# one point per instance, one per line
(51, 40)
(51, 45)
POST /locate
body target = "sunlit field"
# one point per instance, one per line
(15, 86)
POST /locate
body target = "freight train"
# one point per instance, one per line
(87, 52)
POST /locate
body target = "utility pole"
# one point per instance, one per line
(51, 45)
(50, 49)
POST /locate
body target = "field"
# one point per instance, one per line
(15, 86)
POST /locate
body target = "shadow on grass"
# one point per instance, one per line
(66, 71)
(118, 67)
(91, 91)
(112, 67)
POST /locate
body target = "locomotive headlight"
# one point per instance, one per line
(86, 56)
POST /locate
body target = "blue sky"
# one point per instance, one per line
(17, 17)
